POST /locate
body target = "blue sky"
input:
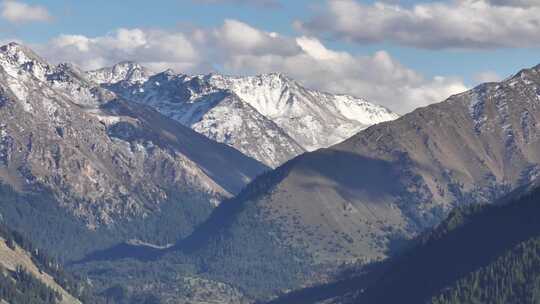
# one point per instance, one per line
(98, 17)
(456, 57)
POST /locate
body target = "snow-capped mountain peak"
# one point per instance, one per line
(314, 119)
(299, 119)
(20, 54)
(126, 71)
(16, 59)
(363, 111)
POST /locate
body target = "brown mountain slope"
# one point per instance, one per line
(407, 174)
(353, 201)
(12, 258)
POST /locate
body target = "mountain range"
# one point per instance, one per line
(363, 200)
(270, 117)
(86, 162)
(356, 200)
(213, 188)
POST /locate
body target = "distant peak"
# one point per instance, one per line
(129, 71)
(279, 78)
(128, 64)
(11, 46)
(524, 76)
(20, 53)
(68, 66)
(127, 68)
(169, 72)
(275, 74)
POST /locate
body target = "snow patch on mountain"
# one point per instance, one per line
(313, 119)
(128, 71)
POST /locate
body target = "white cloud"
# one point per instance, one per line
(435, 25)
(19, 12)
(238, 48)
(236, 37)
(378, 77)
(155, 48)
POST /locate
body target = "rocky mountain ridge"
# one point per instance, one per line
(269, 117)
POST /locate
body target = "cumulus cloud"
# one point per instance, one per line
(378, 77)
(260, 3)
(19, 12)
(238, 48)
(236, 37)
(155, 48)
(435, 25)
